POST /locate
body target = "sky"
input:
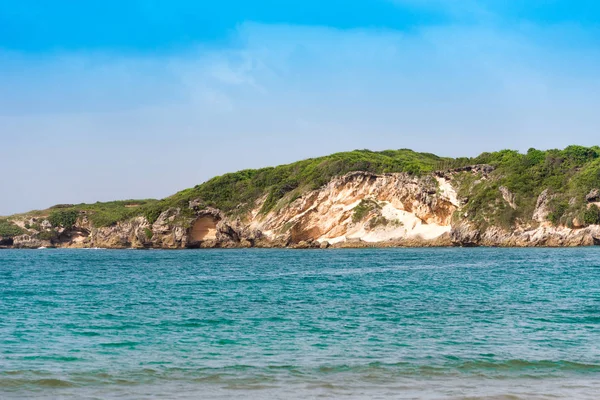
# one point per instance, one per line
(121, 99)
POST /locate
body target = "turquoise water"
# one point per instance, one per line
(262, 324)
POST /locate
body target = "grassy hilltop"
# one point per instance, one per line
(569, 175)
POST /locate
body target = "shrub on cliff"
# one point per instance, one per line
(63, 218)
(591, 216)
(99, 214)
(9, 230)
(364, 208)
(237, 192)
(47, 235)
(569, 174)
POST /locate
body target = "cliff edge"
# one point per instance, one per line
(356, 199)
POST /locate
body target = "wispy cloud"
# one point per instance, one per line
(129, 126)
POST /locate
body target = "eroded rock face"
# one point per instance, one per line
(405, 210)
(402, 207)
(169, 230)
(542, 209)
(204, 228)
(508, 196)
(128, 234)
(547, 236)
(29, 242)
(465, 235)
(356, 210)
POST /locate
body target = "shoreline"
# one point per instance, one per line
(333, 247)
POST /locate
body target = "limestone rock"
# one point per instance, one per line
(245, 243)
(593, 196)
(29, 242)
(409, 211)
(127, 234)
(306, 244)
(195, 204)
(540, 214)
(508, 196)
(465, 235)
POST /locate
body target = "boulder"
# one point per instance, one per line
(465, 235)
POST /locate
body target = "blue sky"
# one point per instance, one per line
(104, 100)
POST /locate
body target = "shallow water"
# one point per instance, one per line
(376, 323)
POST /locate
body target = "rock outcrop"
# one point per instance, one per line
(593, 196)
(508, 197)
(29, 242)
(359, 209)
(540, 214)
(542, 236)
(399, 207)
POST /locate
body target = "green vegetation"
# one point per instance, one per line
(559, 208)
(148, 233)
(237, 192)
(286, 227)
(568, 175)
(591, 216)
(47, 235)
(369, 206)
(364, 208)
(65, 218)
(99, 214)
(379, 220)
(8, 229)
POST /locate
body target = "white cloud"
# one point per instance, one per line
(95, 127)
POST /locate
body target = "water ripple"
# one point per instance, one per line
(372, 323)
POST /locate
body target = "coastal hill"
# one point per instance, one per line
(352, 199)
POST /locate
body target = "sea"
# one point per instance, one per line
(435, 323)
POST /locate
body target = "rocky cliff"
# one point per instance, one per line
(358, 209)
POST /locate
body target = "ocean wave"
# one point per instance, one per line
(248, 374)
(518, 365)
(23, 383)
(120, 344)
